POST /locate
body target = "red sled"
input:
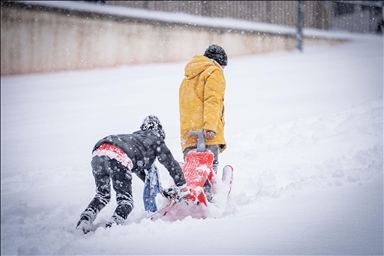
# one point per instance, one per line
(197, 169)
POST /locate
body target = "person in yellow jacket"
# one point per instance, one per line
(201, 103)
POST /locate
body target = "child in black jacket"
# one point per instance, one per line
(116, 157)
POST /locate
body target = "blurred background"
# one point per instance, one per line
(51, 36)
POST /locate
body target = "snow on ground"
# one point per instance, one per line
(304, 133)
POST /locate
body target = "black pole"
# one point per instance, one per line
(300, 24)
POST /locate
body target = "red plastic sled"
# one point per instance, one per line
(197, 169)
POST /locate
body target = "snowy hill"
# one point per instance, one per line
(304, 133)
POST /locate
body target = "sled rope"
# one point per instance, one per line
(169, 206)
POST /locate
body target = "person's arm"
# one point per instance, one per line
(213, 96)
(166, 158)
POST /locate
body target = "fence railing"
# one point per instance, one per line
(358, 16)
(354, 16)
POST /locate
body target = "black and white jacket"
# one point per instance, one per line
(143, 147)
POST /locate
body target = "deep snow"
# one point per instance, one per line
(304, 133)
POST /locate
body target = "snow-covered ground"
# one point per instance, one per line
(304, 133)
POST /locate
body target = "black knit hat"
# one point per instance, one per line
(217, 53)
(153, 123)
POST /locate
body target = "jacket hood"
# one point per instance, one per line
(198, 64)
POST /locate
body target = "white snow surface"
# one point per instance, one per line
(304, 133)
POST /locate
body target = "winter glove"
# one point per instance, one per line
(176, 194)
(208, 134)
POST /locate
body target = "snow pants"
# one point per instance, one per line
(104, 170)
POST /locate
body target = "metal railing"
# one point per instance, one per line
(353, 16)
(358, 16)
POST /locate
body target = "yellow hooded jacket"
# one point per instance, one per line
(201, 101)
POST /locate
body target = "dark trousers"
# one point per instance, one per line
(104, 170)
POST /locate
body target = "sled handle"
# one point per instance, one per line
(200, 140)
